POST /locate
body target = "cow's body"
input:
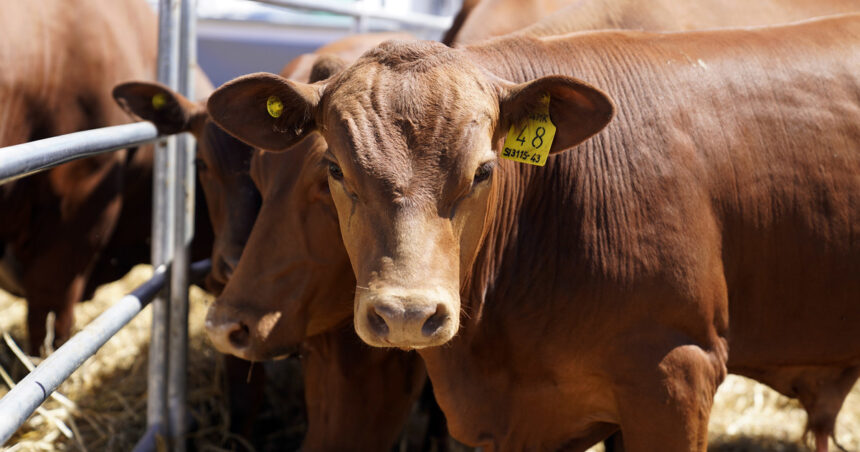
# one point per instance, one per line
(60, 61)
(616, 286)
(700, 235)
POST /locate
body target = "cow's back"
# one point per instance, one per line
(668, 15)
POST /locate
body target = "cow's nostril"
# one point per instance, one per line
(240, 336)
(436, 321)
(224, 269)
(377, 323)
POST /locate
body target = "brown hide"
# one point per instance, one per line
(59, 62)
(459, 19)
(357, 399)
(480, 20)
(610, 285)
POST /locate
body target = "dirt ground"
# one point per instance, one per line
(107, 408)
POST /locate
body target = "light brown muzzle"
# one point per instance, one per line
(406, 318)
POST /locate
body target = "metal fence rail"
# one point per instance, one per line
(29, 393)
(30, 158)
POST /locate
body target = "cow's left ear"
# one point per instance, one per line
(577, 109)
(156, 103)
(265, 110)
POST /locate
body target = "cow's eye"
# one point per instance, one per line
(201, 164)
(335, 171)
(484, 172)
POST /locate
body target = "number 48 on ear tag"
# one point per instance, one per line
(530, 141)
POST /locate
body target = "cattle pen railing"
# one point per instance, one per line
(172, 226)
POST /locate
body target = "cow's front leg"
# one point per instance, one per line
(58, 296)
(667, 407)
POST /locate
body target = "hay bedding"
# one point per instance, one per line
(107, 408)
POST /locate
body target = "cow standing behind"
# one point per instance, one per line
(480, 20)
(673, 237)
(59, 63)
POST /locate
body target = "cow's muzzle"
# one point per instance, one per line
(232, 334)
(406, 319)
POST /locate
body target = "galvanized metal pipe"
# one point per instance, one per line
(19, 403)
(30, 392)
(162, 222)
(25, 159)
(426, 21)
(183, 232)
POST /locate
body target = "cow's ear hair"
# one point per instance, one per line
(577, 109)
(265, 110)
(325, 66)
(154, 102)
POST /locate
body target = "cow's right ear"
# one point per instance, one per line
(265, 110)
(577, 109)
(158, 104)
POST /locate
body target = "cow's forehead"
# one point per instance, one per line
(410, 101)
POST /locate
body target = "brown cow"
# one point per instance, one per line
(55, 80)
(606, 289)
(357, 398)
(232, 201)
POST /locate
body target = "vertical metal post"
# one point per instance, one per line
(162, 223)
(183, 232)
(359, 24)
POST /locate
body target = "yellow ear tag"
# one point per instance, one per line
(530, 141)
(159, 101)
(275, 106)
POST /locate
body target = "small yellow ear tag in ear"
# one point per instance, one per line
(530, 141)
(274, 106)
(159, 101)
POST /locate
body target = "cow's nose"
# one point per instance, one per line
(404, 323)
(223, 269)
(232, 337)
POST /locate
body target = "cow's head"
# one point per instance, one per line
(222, 165)
(413, 132)
(294, 279)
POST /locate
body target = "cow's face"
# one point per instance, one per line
(294, 279)
(410, 166)
(413, 132)
(222, 165)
